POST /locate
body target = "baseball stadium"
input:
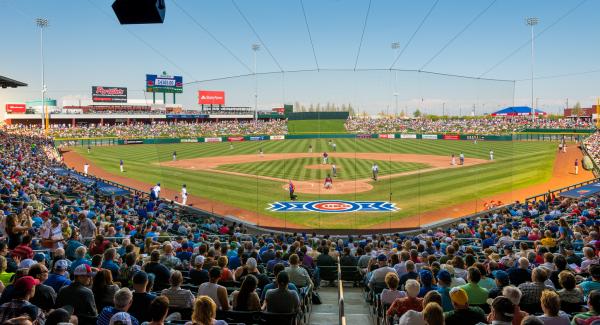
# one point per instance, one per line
(301, 180)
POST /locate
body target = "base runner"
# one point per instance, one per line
(328, 182)
(184, 194)
(453, 161)
(462, 158)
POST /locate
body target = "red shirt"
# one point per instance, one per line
(328, 180)
(402, 305)
(23, 251)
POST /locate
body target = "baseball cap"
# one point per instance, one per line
(25, 283)
(508, 247)
(26, 263)
(121, 318)
(459, 296)
(251, 263)
(382, 258)
(83, 269)
(426, 276)
(61, 265)
(39, 257)
(444, 276)
(501, 275)
(199, 259)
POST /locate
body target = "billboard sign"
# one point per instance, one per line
(16, 108)
(258, 138)
(408, 136)
(102, 94)
(217, 139)
(233, 139)
(133, 141)
(451, 137)
(211, 97)
(164, 83)
(429, 136)
(387, 136)
(277, 137)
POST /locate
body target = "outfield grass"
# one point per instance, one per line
(347, 169)
(316, 126)
(517, 165)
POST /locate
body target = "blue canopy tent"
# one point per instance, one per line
(517, 111)
(582, 192)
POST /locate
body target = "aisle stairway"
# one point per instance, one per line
(356, 309)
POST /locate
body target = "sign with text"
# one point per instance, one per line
(211, 97)
(277, 137)
(387, 136)
(164, 84)
(16, 108)
(408, 136)
(429, 136)
(235, 139)
(103, 94)
(451, 137)
(219, 139)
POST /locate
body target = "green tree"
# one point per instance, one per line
(417, 113)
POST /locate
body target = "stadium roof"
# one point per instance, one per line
(517, 110)
(10, 83)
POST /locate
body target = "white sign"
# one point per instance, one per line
(277, 137)
(430, 136)
(188, 140)
(219, 139)
(408, 136)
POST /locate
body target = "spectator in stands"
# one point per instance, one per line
(216, 292)
(251, 268)
(532, 291)
(80, 253)
(178, 297)
(158, 309)
(78, 295)
(24, 290)
(514, 295)
(282, 299)
(297, 274)
(161, 272)
(463, 314)
(326, 264)
(411, 317)
(426, 280)
(560, 264)
(455, 281)
(45, 296)
(168, 259)
(23, 250)
(122, 302)
(198, 275)
(444, 282)
(551, 307)
(593, 303)
(141, 298)
(99, 245)
(5, 277)
(411, 302)
(570, 296)
(204, 313)
(246, 298)
(59, 277)
(502, 311)
(501, 280)
(410, 273)
(391, 293)
(520, 273)
(477, 295)
(433, 314)
(587, 286)
(104, 289)
(273, 285)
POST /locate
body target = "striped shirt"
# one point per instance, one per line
(179, 298)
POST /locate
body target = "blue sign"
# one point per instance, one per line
(333, 206)
(183, 116)
(258, 138)
(582, 192)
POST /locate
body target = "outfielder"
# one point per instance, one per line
(89, 148)
(174, 155)
(121, 167)
(184, 194)
(310, 148)
(260, 152)
(85, 168)
(334, 146)
(375, 170)
(325, 156)
(491, 154)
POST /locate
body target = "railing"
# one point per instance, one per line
(342, 316)
(595, 169)
(556, 191)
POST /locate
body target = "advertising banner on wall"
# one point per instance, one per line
(164, 83)
(429, 136)
(451, 137)
(219, 139)
(133, 141)
(387, 136)
(103, 94)
(211, 97)
(408, 136)
(363, 136)
(257, 138)
(190, 140)
(277, 137)
(16, 108)
(235, 139)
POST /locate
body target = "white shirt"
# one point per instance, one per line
(375, 168)
(183, 192)
(156, 190)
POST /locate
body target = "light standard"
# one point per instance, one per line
(255, 47)
(395, 47)
(43, 23)
(532, 21)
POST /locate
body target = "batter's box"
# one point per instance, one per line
(333, 206)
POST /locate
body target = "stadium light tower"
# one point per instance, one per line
(43, 23)
(532, 21)
(396, 47)
(255, 48)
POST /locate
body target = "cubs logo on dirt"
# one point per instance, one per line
(333, 206)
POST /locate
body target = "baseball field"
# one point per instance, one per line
(415, 175)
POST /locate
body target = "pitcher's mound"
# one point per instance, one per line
(339, 187)
(321, 166)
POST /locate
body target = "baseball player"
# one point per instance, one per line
(491, 154)
(89, 149)
(334, 146)
(325, 156)
(328, 182)
(334, 170)
(184, 194)
(230, 145)
(156, 190)
(86, 167)
(462, 158)
(375, 170)
(453, 161)
(121, 167)
(292, 189)
(310, 148)
(576, 166)
(260, 152)
(174, 155)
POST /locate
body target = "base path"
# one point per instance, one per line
(563, 175)
(316, 186)
(75, 161)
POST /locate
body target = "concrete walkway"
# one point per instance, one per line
(356, 309)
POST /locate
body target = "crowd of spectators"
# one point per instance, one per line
(592, 145)
(485, 125)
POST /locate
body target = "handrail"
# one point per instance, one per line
(558, 190)
(342, 316)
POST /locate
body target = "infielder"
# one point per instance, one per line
(375, 170)
(85, 168)
(334, 146)
(328, 182)
(462, 158)
(121, 167)
(230, 145)
(576, 166)
(156, 190)
(260, 152)
(333, 170)
(325, 156)
(292, 189)
(184, 194)
(453, 161)
(174, 155)
(491, 154)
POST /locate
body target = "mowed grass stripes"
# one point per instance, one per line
(517, 165)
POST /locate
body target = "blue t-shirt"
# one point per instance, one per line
(446, 301)
(588, 286)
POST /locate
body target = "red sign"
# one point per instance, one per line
(232, 139)
(451, 137)
(210, 97)
(15, 108)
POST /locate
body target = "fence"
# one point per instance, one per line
(562, 189)
(342, 315)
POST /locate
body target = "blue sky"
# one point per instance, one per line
(85, 46)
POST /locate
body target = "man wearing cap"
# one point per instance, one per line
(24, 289)
(156, 190)
(463, 314)
(141, 299)
(58, 278)
(198, 275)
(502, 311)
(502, 280)
(45, 296)
(78, 295)
(444, 283)
(378, 276)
